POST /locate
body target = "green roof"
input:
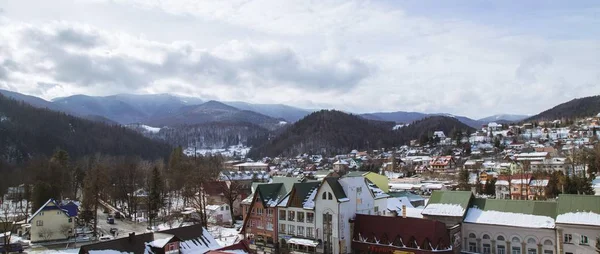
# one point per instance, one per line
(269, 192)
(338, 191)
(540, 208)
(461, 198)
(578, 203)
(411, 196)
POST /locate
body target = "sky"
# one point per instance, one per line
(475, 58)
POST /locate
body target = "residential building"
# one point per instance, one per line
(340, 166)
(51, 222)
(190, 239)
(578, 223)
(443, 164)
(509, 226)
(252, 166)
(296, 219)
(218, 214)
(449, 207)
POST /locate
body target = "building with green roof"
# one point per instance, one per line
(578, 223)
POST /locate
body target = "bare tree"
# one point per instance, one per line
(232, 190)
(95, 182)
(66, 230)
(7, 218)
(46, 233)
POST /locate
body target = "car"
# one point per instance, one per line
(105, 238)
(13, 247)
(110, 220)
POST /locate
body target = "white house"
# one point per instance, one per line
(218, 214)
(337, 201)
(50, 223)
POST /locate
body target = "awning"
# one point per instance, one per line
(304, 242)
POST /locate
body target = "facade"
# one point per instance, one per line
(578, 223)
(296, 219)
(449, 207)
(509, 226)
(51, 222)
(442, 164)
(260, 222)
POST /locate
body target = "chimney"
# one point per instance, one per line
(131, 236)
(404, 211)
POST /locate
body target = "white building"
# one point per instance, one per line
(578, 223)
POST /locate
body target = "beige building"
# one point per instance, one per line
(495, 226)
(51, 223)
(578, 223)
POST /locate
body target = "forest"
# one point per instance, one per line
(574, 109)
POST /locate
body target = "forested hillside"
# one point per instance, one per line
(576, 108)
(334, 132)
(26, 131)
(212, 135)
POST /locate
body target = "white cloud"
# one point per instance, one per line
(353, 55)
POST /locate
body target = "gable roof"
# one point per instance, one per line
(193, 239)
(516, 213)
(45, 207)
(336, 187)
(448, 203)
(303, 192)
(269, 193)
(578, 209)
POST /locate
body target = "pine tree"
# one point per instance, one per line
(553, 188)
(463, 180)
(155, 201)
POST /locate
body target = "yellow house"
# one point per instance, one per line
(51, 223)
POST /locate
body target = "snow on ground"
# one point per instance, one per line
(66, 251)
(225, 236)
(582, 218)
(150, 128)
(475, 215)
(444, 210)
(237, 150)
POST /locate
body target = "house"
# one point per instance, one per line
(449, 207)
(296, 219)
(260, 210)
(425, 236)
(340, 166)
(414, 199)
(219, 214)
(381, 181)
(252, 166)
(216, 193)
(439, 134)
(51, 222)
(442, 164)
(578, 223)
(191, 239)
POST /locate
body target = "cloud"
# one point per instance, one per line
(353, 55)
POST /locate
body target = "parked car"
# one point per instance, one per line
(13, 247)
(105, 238)
(110, 220)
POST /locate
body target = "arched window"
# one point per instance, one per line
(471, 235)
(486, 237)
(324, 195)
(329, 196)
(500, 238)
(531, 241)
(398, 241)
(548, 242)
(516, 240)
(385, 239)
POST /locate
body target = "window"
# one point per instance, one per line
(568, 238)
(471, 235)
(516, 250)
(584, 240)
(531, 251)
(310, 217)
(270, 212)
(42, 213)
(260, 211)
(39, 223)
(531, 241)
(487, 248)
(70, 220)
(359, 189)
(222, 208)
(548, 252)
(291, 230)
(548, 242)
(281, 228)
(501, 249)
(324, 195)
(329, 196)
(269, 226)
(310, 232)
(500, 238)
(300, 216)
(253, 210)
(282, 214)
(291, 216)
(472, 247)
(515, 240)
(376, 210)
(300, 231)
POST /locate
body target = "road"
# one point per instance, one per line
(124, 226)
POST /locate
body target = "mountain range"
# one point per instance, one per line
(576, 108)
(408, 117)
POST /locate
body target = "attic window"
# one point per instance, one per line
(329, 196)
(324, 195)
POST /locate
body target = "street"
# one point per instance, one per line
(124, 226)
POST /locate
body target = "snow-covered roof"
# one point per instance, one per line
(202, 244)
(309, 203)
(252, 164)
(580, 218)
(444, 210)
(377, 193)
(476, 215)
(304, 242)
(160, 240)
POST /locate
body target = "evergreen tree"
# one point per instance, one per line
(155, 201)
(553, 188)
(463, 180)
(490, 187)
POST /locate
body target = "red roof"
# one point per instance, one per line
(242, 245)
(400, 233)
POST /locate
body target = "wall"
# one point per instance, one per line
(286, 235)
(52, 220)
(539, 235)
(359, 202)
(326, 206)
(577, 231)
